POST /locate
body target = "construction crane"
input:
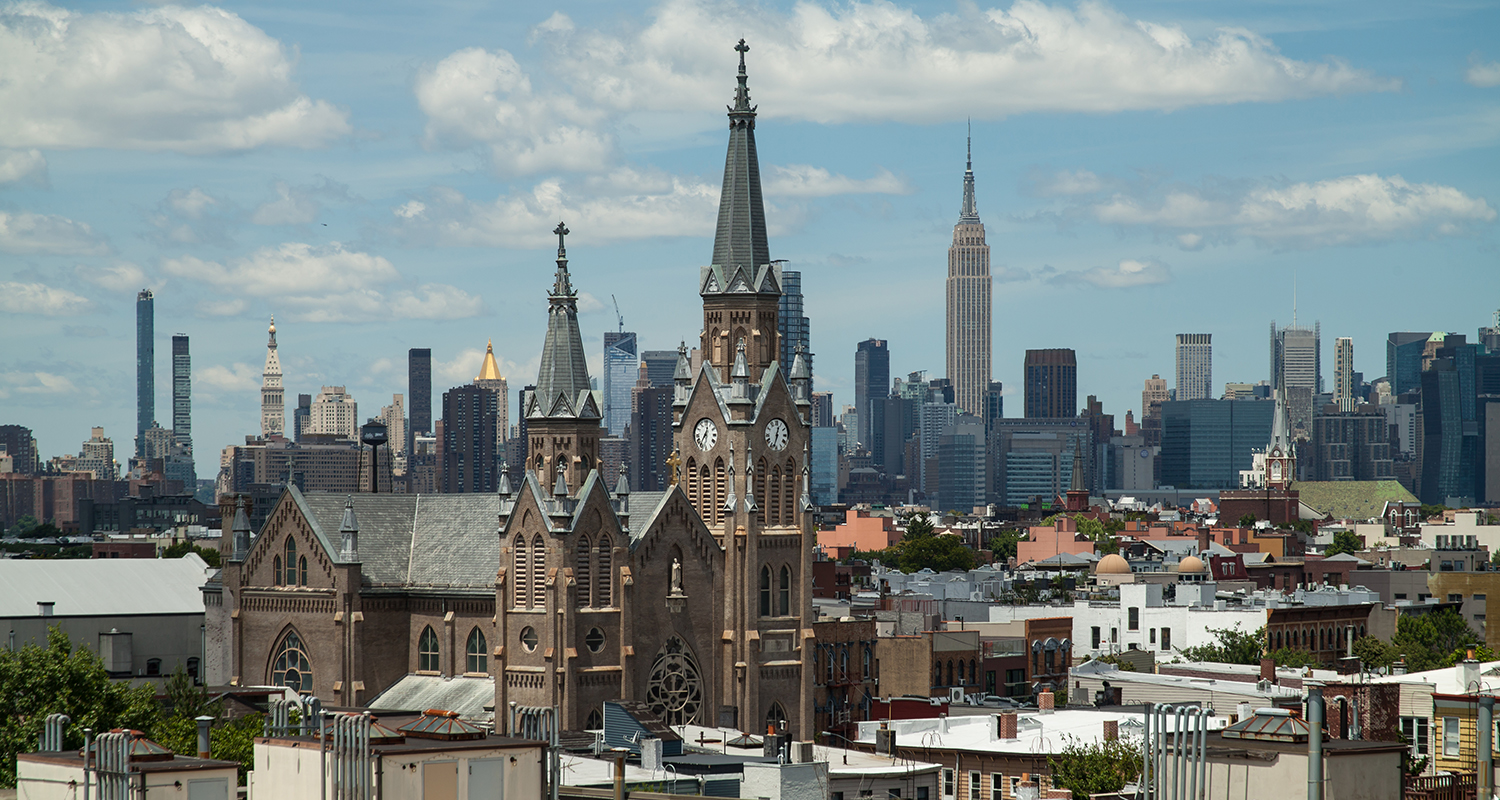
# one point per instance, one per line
(618, 317)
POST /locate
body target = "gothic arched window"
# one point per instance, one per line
(776, 718)
(477, 652)
(522, 573)
(595, 721)
(604, 580)
(538, 572)
(784, 593)
(674, 691)
(276, 570)
(427, 651)
(789, 493)
(583, 573)
(761, 499)
(721, 489)
(291, 667)
(291, 561)
(302, 571)
(765, 591)
(772, 502)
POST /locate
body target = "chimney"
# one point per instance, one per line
(203, 724)
(1471, 674)
(1005, 726)
(1045, 702)
(44, 609)
(1111, 730)
(1268, 669)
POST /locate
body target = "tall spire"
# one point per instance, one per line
(970, 212)
(272, 405)
(740, 239)
(564, 373)
(490, 369)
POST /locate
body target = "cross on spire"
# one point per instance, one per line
(742, 93)
(562, 287)
(562, 231)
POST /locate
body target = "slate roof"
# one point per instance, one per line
(98, 586)
(436, 540)
(466, 695)
(1358, 500)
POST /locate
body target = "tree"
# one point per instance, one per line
(1430, 641)
(1247, 521)
(37, 681)
(937, 553)
(1373, 652)
(210, 557)
(1234, 646)
(1095, 767)
(1344, 542)
(1294, 658)
(1004, 545)
(46, 530)
(918, 526)
(1120, 664)
(1428, 511)
(23, 524)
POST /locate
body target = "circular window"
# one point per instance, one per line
(595, 640)
(528, 638)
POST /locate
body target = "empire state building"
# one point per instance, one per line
(968, 345)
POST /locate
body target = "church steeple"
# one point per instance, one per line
(741, 287)
(564, 375)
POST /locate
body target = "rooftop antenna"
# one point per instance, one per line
(618, 317)
(1294, 297)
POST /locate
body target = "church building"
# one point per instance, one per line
(567, 589)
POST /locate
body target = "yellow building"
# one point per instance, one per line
(1454, 736)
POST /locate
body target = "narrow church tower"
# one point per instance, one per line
(562, 414)
(1281, 453)
(272, 408)
(741, 288)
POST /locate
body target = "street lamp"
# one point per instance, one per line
(373, 433)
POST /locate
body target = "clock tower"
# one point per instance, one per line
(743, 439)
(1281, 452)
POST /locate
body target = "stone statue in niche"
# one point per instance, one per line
(676, 585)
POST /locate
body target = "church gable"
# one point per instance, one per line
(289, 550)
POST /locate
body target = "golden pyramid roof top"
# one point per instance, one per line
(490, 370)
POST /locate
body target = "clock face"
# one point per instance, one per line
(776, 434)
(705, 434)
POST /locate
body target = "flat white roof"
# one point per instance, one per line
(841, 761)
(1037, 733)
(102, 586)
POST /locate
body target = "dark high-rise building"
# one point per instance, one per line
(822, 410)
(1403, 360)
(419, 389)
(659, 366)
(18, 443)
(1051, 383)
(872, 382)
(470, 460)
(994, 404)
(792, 323)
(962, 479)
(301, 416)
(1451, 436)
(1206, 443)
(145, 367)
(1350, 446)
(182, 391)
(651, 438)
(900, 418)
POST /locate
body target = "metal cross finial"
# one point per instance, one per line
(742, 49)
(561, 230)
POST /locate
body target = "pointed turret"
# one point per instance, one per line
(240, 531)
(560, 488)
(349, 533)
(801, 379)
(504, 489)
(1078, 496)
(740, 240)
(564, 375)
(490, 369)
(682, 377)
(739, 377)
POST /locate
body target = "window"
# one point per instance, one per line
(427, 651)
(528, 638)
(1094, 637)
(192, 670)
(538, 572)
(1153, 636)
(595, 721)
(868, 657)
(1166, 638)
(276, 570)
(976, 784)
(1135, 619)
(950, 787)
(583, 572)
(521, 574)
(291, 667)
(893, 794)
(776, 718)
(765, 591)
(302, 571)
(477, 652)
(922, 793)
(1114, 635)
(1450, 736)
(604, 577)
(594, 640)
(1417, 735)
(291, 562)
(997, 786)
(153, 666)
(784, 597)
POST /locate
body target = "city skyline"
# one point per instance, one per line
(861, 204)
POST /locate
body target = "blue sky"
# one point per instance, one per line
(385, 176)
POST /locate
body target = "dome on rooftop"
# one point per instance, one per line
(1113, 564)
(1191, 564)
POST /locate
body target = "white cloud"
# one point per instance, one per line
(36, 383)
(862, 61)
(1482, 74)
(805, 180)
(476, 96)
(1128, 273)
(299, 205)
(23, 165)
(1353, 209)
(682, 207)
(166, 78)
(122, 277)
(236, 377)
(192, 216)
(39, 298)
(1066, 184)
(325, 284)
(460, 369)
(25, 233)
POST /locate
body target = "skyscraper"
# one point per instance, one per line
(1051, 383)
(1403, 360)
(1195, 373)
(872, 382)
(994, 404)
(470, 461)
(659, 366)
(1152, 396)
(489, 377)
(419, 388)
(334, 413)
(1297, 372)
(182, 391)
(622, 366)
(969, 303)
(145, 367)
(272, 410)
(1343, 374)
(791, 322)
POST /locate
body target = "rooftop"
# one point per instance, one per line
(1037, 733)
(99, 586)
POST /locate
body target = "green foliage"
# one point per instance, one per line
(1344, 542)
(937, 553)
(23, 524)
(1430, 641)
(918, 526)
(1004, 545)
(209, 556)
(1120, 664)
(37, 681)
(1374, 653)
(233, 740)
(1234, 646)
(1294, 658)
(1429, 511)
(1247, 521)
(1096, 767)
